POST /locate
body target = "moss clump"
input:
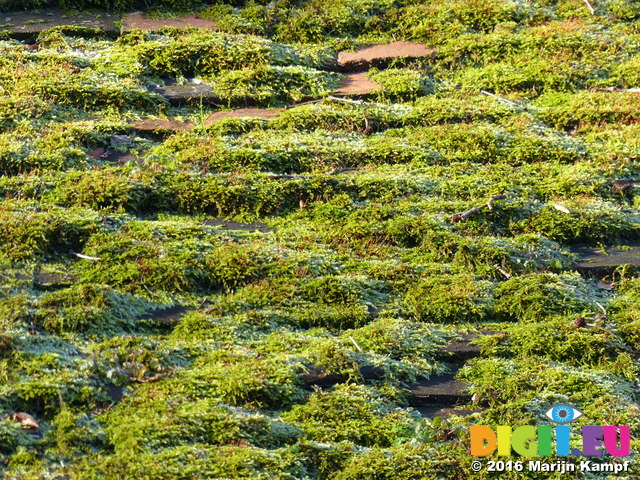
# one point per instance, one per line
(26, 231)
(87, 308)
(570, 111)
(400, 339)
(586, 221)
(240, 379)
(76, 433)
(559, 340)
(117, 6)
(267, 85)
(624, 311)
(401, 84)
(138, 263)
(536, 297)
(209, 53)
(12, 436)
(450, 298)
(151, 424)
(351, 413)
(403, 462)
(497, 382)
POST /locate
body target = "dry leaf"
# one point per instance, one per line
(23, 419)
(561, 208)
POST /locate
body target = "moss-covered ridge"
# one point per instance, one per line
(257, 298)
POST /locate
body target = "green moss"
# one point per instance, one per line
(134, 260)
(87, 308)
(209, 53)
(586, 221)
(559, 340)
(450, 298)
(402, 462)
(197, 461)
(398, 84)
(118, 5)
(625, 312)
(363, 264)
(75, 433)
(535, 297)
(569, 111)
(239, 379)
(520, 393)
(13, 436)
(29, 232)
(351, 413)
(161, 423)
(271, 84)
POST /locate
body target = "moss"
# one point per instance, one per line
(450, 298)
(561, 341)
(401, 84)
(76, 433)
(569, 111)
(402, 462)
(198, 461)
(239, 379)
(29, 232)
(400, 339)
(87, 308)
(269, 85)
(209, 53)
(361, 417)
(135, 264)
(118, 5)
(534, 297)
(164, 423)
(535, 391)
(587, 221)
(361, 265)
(625, 312)
(13, 436)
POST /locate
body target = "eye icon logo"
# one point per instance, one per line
(563, 414)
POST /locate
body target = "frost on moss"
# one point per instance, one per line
(450, 298)
(534, 297)
(162, 313)
(352, 413)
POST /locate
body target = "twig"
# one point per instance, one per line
(318, 100)
(155, 378)
(506, 274)
(355, 343)
(617, 89)
(502, 99)
(287, 176)
(591, 9)
(346, 100)
(85, 257)
(456, 217)
(367, 128)
(335, 171)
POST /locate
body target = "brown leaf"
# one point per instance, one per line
(23, 419)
